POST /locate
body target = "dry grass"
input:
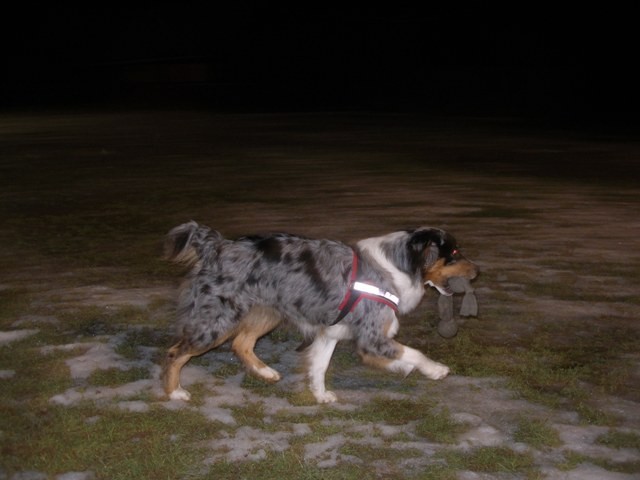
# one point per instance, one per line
(91, 209)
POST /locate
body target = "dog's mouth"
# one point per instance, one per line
(443, 289)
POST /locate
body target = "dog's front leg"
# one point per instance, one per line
(318, 358)
(426, 366)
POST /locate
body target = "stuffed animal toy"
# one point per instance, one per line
(448, 326)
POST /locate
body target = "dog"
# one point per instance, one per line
(242, 289)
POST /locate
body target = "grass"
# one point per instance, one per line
(573, 459)
(76, 212)
(132, 339)
(377, 410)
(114, 376)
(537, 433)
(620, 439)
(551, 376)
(111, 444)
(13, 303)
(543, 371)
(173, 441)
(492, 460)
(288, 464)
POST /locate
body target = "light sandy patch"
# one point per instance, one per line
(108, 297)
(133, 406)
(75, 395)
(35, 320)
(10, 336)
(76, 476)
(97, 356)
(248, 443)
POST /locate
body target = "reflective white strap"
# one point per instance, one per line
(366, 288)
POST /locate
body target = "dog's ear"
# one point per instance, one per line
(425, 246)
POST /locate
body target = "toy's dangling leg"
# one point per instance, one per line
(447, 327)
(469, 307)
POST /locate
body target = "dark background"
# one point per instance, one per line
(534, 61)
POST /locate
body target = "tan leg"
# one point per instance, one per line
(177, 357)
(258, 322)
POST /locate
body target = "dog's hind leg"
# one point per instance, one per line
(258, 322)
(177, 357)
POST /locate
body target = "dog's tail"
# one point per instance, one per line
(190, 242)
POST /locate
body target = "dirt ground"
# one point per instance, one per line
(551, 216)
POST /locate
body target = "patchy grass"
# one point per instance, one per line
(537, 433)
(13, 304)
(114, 376)
(492, 460)
(102, 211)
(545, 371)
(402, 412)
(620, 439)
(368, 454)
(109, 442)
(37, 376)
(439, 427)
(132, 340)
(573, 459)
(289, 464)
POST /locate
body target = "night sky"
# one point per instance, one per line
(478, 60)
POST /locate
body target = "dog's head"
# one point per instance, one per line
(439, 258)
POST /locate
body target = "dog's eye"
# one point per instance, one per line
(453, 257)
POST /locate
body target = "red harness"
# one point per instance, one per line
(354, 294)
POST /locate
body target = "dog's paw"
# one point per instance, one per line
(180, 394)
(268, 374)
(437, 371)
(325, 397)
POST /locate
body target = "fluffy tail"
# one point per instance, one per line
(190, 242)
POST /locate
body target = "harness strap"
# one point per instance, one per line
(359, 290)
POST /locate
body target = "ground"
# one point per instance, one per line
(545, 381)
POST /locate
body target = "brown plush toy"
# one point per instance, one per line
(448, 327)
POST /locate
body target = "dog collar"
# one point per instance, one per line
(359, 290)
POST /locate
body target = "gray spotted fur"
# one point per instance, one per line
(303, 279)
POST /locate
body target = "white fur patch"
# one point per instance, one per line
(429, 368)
(338, 332)
(410, 292)
(268, 373)
(319, 356)
(398, 366)
(180, 394)
(393, 329)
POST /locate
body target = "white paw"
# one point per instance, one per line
(180, 394)
(437, 371)
(268, 373)
(325, 397)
